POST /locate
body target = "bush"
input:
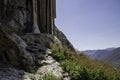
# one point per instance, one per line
(50, 77)
(58, 56)
(78, 71)
(80, 67)
(72, 68)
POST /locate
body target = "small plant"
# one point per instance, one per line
(72, 68)
(50, 77)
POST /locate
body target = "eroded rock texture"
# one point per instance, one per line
(28, 16)
(26, 31)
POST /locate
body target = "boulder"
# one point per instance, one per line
(13, 49)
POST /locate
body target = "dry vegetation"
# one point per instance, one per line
(80, 67)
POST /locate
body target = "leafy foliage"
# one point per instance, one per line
(80, 67)
(50, 77)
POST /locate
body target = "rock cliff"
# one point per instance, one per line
(27, 29)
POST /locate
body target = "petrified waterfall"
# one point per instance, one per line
(20, 20)
(43, 15)
(19, 17)
(28, 16)
(27, 30)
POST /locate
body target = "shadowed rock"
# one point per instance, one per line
(28, 16)
(27, 30)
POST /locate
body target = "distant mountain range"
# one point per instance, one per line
(111, 55)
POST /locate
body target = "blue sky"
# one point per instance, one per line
(90, 24)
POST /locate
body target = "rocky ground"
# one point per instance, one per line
(48, 66)
(20, 55)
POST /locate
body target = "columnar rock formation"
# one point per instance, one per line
(47, 14)
(28, 15)
(27, 30)
(20, 20)
(43, 15)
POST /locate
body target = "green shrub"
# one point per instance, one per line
(80, 67)
(50, 77)
(78, 71)
(58, 55)
(72, 68)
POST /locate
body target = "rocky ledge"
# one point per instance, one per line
(33, 59)
(48, 66)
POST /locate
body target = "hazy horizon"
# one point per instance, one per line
(90, 24)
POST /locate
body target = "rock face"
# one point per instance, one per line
(13, 49)
(64, 41)
(26, 31)
(27, 16)
(48, 66)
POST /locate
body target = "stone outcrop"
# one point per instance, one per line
(27, 16)
(48, 66)
(63, 39)
(13, 49)
(27, 30)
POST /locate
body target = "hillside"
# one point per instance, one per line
(81, 67)
(33, 48)
(114, 57)
(110, 55)
(99, 54)
(88, 52)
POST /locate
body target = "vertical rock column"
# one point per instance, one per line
(51, 12)
(41, 8)
(52, 15)
(35, 16)
(48, 16)
(44, 15)
(44, 12)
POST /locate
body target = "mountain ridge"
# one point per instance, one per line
(110, 55)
